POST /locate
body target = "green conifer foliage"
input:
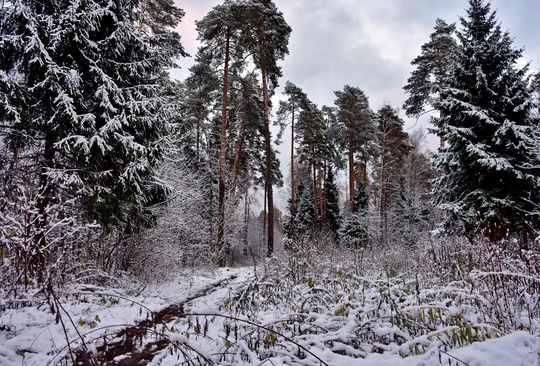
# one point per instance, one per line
(490, 180)
(85, 90)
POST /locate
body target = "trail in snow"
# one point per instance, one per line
(139, 344)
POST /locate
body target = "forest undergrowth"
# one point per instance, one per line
(319, 305)
(396, 301)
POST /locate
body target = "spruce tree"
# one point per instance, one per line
(361, 199)
(332, 215)
(490, 180)
(87, 109)
(86, 91)
(354, 231)
(305, 216)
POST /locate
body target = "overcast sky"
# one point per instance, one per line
(366, 43)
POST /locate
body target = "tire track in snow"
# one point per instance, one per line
(139, 344)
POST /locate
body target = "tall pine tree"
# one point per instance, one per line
(288, 112)
(266, 36)
(355, 130)
(388, 169)
(219, 30)
(432, 67)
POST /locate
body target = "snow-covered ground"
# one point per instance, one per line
(30, 335)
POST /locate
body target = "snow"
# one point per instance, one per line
(518, 348)
(29, 335)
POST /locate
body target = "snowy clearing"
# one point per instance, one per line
(30, 336)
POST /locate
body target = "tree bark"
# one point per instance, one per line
(198, 134)
(383, 197)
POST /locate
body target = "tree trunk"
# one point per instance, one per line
(37, 258)
(441, 139)
(44, 191)
(222, 158)
(351, 168)
(383, 187)
(293, 213)
(198, 134)
(315, 203)
(246, 222)
(268, 151)
(322, 191)
(238, 154)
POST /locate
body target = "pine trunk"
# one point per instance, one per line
(268, 151)
(383, 200)
(238, 154)
(293, 213)
(198, 134)
(319, 187)
(315, 203)
(222, 158)
(351, 168)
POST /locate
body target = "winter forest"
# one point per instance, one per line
(138, 216)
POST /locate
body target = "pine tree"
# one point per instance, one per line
(267, 37)
(232, 33)
(218, 30)
(354, 130)
(289, 110)
(392, 149)
(248, 158)
(198, 94)
(313, 149)
(389, 166)
(432, 67)
(490, 175)
(412, 215)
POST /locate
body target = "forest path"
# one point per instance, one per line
(141, 343)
